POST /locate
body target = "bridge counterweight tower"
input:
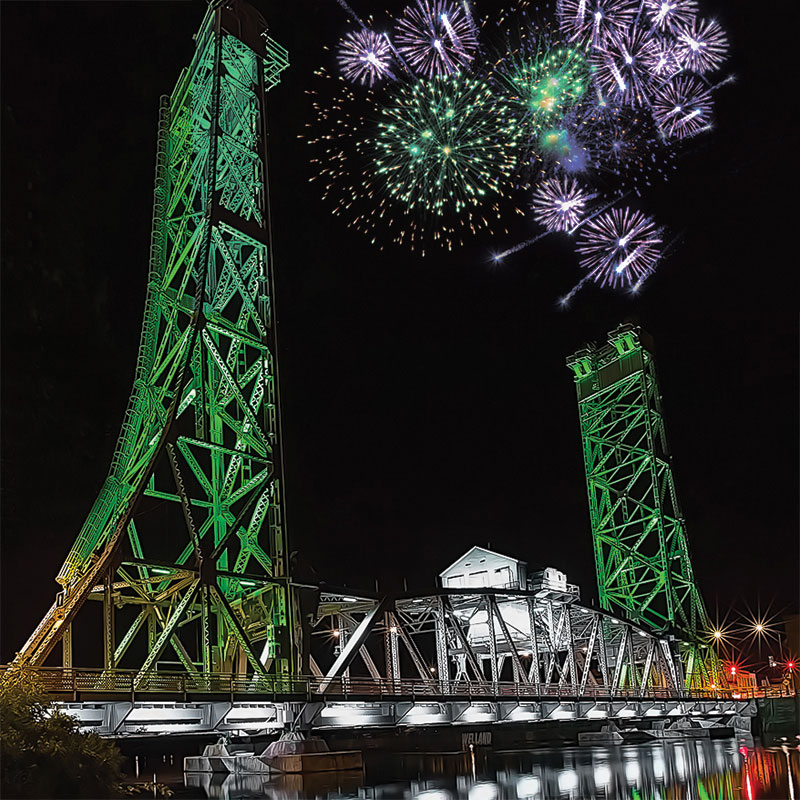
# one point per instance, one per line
(185, 545)
(642, 561)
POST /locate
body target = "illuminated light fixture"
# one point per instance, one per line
(335, 633)
(602, 776)
(567, 781)
(632, 772)
(160, 570)
(528, 786)
(483, 791)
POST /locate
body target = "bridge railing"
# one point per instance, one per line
(57, 681)
(420, 688)
(66, 680)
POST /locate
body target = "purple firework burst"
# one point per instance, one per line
(702, 46)
(669, 15)
(594, 20)
(365, 57)
(663, 62)
(619, 247)
(559, 203)
(624, 65)
(682, 107)
(436, 37)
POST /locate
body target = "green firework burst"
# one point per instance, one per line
(543, 81)
(446, 144)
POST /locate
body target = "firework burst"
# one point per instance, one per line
(365, 57)
(445, 144)
(663, 62)
(449, 128)
(682, 107)
(624, 66)
(594, 21)
(436, 37)
(559, 203)
(619, 248)
(702, 46)
(544, 80)
(669, 15)
(623, 145)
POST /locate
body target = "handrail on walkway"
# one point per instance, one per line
(67, 680)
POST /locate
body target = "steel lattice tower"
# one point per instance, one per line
(184, 545)
(641, 554)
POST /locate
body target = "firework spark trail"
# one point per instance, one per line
(346, 6)
(521, 246)
(564, 301)
(528, 242)
(726, 80)
(598, 211)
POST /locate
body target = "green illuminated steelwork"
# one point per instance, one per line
(184, 544)
(641, 554)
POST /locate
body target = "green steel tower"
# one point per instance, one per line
(644, 571)
(184, 546)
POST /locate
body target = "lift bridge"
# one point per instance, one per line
(204, 627)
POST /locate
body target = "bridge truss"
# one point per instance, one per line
(452, 657)
(477, 641)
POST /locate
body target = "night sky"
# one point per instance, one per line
(426, 403)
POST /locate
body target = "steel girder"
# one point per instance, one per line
(642, 561)
(459, 642)
(184, 545)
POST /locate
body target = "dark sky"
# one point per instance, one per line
(426, 403)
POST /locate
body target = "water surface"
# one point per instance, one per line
(682, 770)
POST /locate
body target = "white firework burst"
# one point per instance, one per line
(436, 37)
(624, 66)
(682, 107)
(619, 247)
(595, 20)
(702, 46)
(669, 15)
(560, 203)
(365, 57)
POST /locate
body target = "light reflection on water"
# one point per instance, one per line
(683, 770)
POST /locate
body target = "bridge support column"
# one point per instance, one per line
(442, 651)
(108, 622)
(392, 651)
(66, 647)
